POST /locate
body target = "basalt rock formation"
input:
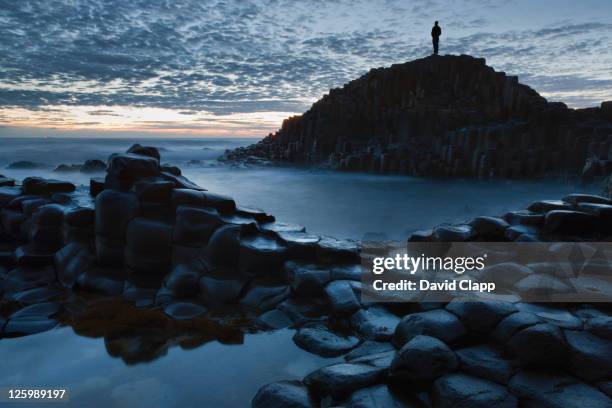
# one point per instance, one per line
(441, 116)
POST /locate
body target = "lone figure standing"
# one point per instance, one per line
(436, 32)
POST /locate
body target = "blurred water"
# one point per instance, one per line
(346, 205)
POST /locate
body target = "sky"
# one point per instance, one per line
(198, 68)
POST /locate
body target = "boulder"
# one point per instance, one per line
(6, 182)
(107, 281)
(464, 391)
(80, 217)
(380, 396)
(317, 338)
(437, 323)
(423, 358)
(590, 355)
(524, 217)
(341, 379)
(194, 226)
(282, 394)
(488, 227)
(261, 254)
(8, 194)
(96, 186)
(548, 205)
(600, 326)
(71, 261)
(542, 343)
(375, 323)
(506, 273)
(110, 252)
(576, 199)
(218, 290)
(452, 233)
(153, 189)
(480, 316)
(184, 310)
(369, 347)
(48, 214)
(274, 319)
(223, 249)
(337, 250)
(123, 169)
(183, 281)
(148, 151)
(149, 246)
(555, 390)
(342, 297)
(568, 222)
(486, 361)
(306, 280)
(264, 294)
(41, 186)
(550, 314)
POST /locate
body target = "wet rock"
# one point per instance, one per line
(300, 245)
(558, 317)
(184, 310)
(555, 390)
(438, 323)
(452, 233)
(506, 272)
(49, 214)
(513, 324)
(103, 280)
(8, 194)
(37, 295)
(545, 206)
(141, 297)
(93, 166)
(255, 213)
(6, 182)
(487, 362)
(576, 199)
(183, 281)
(194, 226)
(489, 227)
(423, 358)
(123, 169)
(540, 286)
(524, 217)
(570, 222)
(336, 250)
(47, 309)
(28, 325)
(282, 227)
(261, 254)
(522, 232)
(464, 391)
(274, 319)
(341, 379)
(480, 316)
(600, 326)
(375, 323)
(347, 272)
(382, 360)
(342, 297)
(303, 310)
(542, 343)
(380, 396)
(96, 186)
(173, 170)
(307, 280)
(264, 294)
(148, 151)
(153, 189)
(282, 394)
(80, 217)
(110, 252)
(319, 339)
(591, 356)
(114, 210)
(219, 290)
(149, 246)
(369, 347)
(223, 249)
(38, 185)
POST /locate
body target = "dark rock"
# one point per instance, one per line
(8, 194)
(336, 250)
(264, 294)
(303, 310)
(369, 347)
(49, 214)
(524, 217)
(380, 396)
(103, 280)
(555, 390)
(307, 280)
(600, 326)
(38, 185)
(540, 286)
(173, 170)
(507, 273)
(556, 316)
(347, 272)
(123, 169)
(24, 164)
(110, 252)
(548, 205)
(274, 319)
(37, 295)
(47, 309)
(93, 166)
(513, 324)
(464, 391)
(261, 254)
(114, 210)
(6, 182)
(487, 362)
(144, 151)
(542, 343)
(183, 281)
(319, 339)
(70, 262)
(375, 323)
(32, 256)
(590, 355)
(96, 186)
(28, 326)
(452, 233)
(300, 245)
(153, 189)
(342, 297)
(576, 199)
(437, 323)
(423, 358)
(149, 246)
(480, 316)
(570, 222)
(80, 217)
(489, 227)
(282, 394)
(184, 310)
(223, 249)
(340, 379)
(219, 290)
(382, 360)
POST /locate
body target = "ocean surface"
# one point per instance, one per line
(345, 205)
(349, 205)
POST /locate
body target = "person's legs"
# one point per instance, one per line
(435, 45)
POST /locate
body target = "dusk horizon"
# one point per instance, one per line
(237, 69)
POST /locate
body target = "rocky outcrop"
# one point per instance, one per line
(441, 116)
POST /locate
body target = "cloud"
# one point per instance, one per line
(227, 57)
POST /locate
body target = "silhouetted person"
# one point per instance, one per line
(436, 32)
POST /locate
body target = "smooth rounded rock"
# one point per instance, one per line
(542, 343)
(438, 323)
(341, 379)
(423, 358)
(317, 338)
(464, 391)
(282, 394)
(184, 311)
(375, 323)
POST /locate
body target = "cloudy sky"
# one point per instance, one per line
(237, 68)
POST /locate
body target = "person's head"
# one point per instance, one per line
(436, 23)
